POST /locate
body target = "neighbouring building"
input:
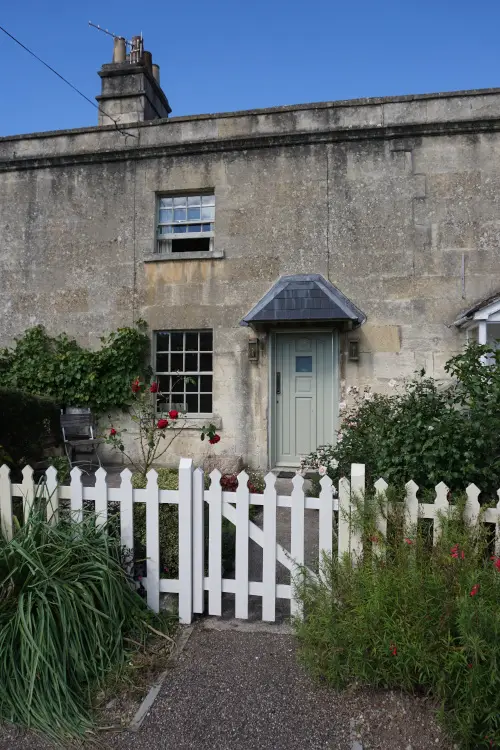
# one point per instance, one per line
(278, 256)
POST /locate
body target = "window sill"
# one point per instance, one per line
(196, 423)
(160, 257)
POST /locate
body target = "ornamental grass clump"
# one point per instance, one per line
(66, 606)
(415, 616)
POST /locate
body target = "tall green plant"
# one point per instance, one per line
(73, 375)
(65, 608)
(413, 616)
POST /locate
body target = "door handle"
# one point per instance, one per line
(278, 383)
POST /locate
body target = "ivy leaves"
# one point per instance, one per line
(72, 375)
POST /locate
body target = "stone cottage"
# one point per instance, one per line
(278, 255)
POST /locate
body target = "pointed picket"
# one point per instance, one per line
(298, 501)
(411, 503)
(153, 541)
(28, 491)
(325, 517)
(186, 541)
(472, 507)
(6, 526)
(441, 505)
(215, 545)
(101, 497)
(242, 541)
(381, 519)
(52, 507)
(344, 519)
(357, 499)
(198, 541)
(269, 551)
(127, 518)
(76, 502)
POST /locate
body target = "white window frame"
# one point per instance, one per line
(163, 243)
(184, 372)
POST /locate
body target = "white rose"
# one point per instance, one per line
(334, 463)
(368, 396)
(322, 471)
(392, 383)
(342, 405)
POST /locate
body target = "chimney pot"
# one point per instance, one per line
(119, 51)
(147, 60)
(156, 73)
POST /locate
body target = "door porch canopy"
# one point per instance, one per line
(304, 298)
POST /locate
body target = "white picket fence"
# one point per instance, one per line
(351, 494)
(192, 582)
(190, 498)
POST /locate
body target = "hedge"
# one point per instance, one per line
(28, 425)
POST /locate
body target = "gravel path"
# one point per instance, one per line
(232, 689)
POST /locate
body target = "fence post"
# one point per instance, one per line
(152, 541)
(28, 490)
(198, 541)
(52, 508)
(76, 502)
(215, 545)
(186, 540)
(325, 517)
(441, 505)
(101, 497)
(411, 503)
(297, 542)
(381, 519)
(242, 542)
(6, 527)
(127, 517)
(358, 495)
(472, 507)
(344, 518)
(269, 551)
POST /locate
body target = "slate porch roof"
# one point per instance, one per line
(302, 298)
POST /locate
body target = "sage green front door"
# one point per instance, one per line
(305, 376)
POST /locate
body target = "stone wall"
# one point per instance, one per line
(389, 199)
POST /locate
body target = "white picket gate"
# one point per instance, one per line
(191, 497)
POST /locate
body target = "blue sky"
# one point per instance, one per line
(220, 55)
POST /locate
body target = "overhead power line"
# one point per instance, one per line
(117, 125)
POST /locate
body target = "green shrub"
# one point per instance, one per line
(427, 431)
(28, 424)
(60, 368)
(413, 617)
(66, 606)
(62, 465)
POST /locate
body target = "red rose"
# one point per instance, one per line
(215, 439)
(173, 414)
(112, 432)
(154, 388)
(162, 423)
(474, 589)
(136, 386)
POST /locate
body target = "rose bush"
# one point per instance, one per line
(155, 435)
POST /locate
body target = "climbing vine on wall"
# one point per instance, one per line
(73, 375)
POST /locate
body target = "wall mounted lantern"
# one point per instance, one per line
(354, 350)
(253, 350)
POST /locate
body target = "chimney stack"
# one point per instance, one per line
(130, 86)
